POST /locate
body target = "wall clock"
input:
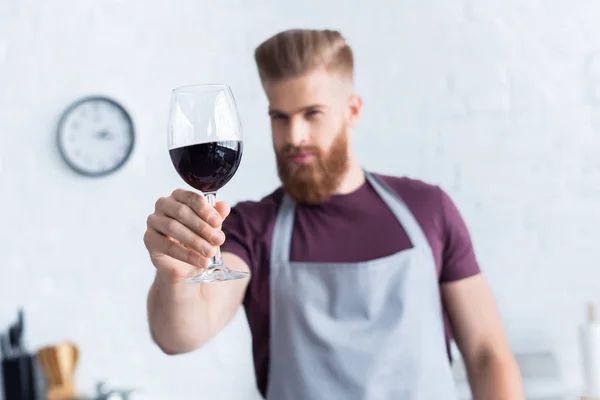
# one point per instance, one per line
(95, 136)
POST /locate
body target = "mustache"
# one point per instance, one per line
(290, 151)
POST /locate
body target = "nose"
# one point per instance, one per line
(299, 132)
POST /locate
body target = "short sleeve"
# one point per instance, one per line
(458, 256)
(238, 239)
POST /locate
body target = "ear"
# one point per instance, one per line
(354, 107)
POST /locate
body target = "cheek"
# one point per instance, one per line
(326, 130)
(277, 137)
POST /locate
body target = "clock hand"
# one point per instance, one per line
(104, 135)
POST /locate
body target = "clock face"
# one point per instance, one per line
(95, 136)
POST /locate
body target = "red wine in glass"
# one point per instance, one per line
(207, 166)
(205, 145)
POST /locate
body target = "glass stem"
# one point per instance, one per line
(215, 261)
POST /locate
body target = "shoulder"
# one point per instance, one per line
(426, 201)
(414, 191)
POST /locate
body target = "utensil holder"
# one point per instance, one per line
(20, 378)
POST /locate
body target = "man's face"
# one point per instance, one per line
(310, 121)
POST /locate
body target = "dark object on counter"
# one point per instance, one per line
(15, 333)
(5, 350)
(12, 342)
(21, 377)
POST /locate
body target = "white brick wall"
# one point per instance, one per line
(496, 101)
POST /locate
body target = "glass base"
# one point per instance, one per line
(218, 273)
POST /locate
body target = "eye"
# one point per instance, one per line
(279, 117)
(312, 113)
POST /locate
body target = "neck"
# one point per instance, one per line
(353, 179)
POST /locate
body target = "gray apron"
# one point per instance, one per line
(365, 330)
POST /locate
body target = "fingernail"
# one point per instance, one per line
(217, 237)
(213, 220)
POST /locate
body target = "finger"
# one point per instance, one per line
(181, 233)
(189, 219)
(159, 244)
(176, 270)
(223, 209)
(199, 205)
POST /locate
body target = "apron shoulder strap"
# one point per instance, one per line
(397, 205)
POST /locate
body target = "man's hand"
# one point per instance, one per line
(183, 233)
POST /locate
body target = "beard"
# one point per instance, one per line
(314, 182)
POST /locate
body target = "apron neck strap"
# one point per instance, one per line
(284, 223)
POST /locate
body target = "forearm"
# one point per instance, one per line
(177, 316)
(494, 377)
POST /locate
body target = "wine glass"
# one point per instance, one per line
(205, 145)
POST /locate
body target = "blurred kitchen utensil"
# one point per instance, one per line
(15, 333)
(68, 355)
(59, 363)
(49, 365)
(104, 393)
(4, 346)
(21, 374)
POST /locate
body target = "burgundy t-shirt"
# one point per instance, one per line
(348, 228)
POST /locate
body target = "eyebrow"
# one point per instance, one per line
(273, 111)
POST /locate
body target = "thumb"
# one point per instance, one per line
(222, 208)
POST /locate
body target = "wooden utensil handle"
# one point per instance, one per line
(62, 392)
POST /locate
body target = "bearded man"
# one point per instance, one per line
(359, 280)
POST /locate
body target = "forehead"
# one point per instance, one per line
(317, 87)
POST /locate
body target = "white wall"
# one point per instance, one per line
(496, 101)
